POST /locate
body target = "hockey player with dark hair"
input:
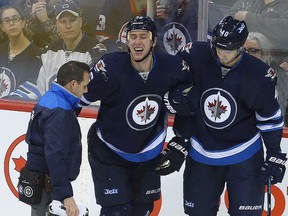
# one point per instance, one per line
(237, 112)
(125, 142)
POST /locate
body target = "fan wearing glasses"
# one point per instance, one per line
(17, 54)
(258, 45)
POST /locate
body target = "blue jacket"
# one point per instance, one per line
(54, 140)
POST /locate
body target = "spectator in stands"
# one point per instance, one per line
(113, 18)
(177, 22)
(3, 36)
(20, 58)
(41, 21)
(258, 45)
(270, 17)
(73, 45)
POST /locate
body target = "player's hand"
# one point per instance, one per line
(172, 158)
(182, 100)
(240, 15)
(274, 167)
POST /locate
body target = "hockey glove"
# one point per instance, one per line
(181, 100)
(274, 167)
(172, 158)
(57, 208)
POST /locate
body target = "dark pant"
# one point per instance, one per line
(204, 184)
(41, 208)
(118, 181)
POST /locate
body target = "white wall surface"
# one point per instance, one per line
(13, 155)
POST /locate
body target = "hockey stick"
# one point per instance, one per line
(269, 197)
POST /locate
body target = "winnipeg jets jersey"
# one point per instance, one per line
(18, 75)
(114, 15)
(181, 26)
(131, 120)
(234, 112)
(87, 51)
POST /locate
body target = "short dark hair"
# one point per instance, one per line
(72, 70)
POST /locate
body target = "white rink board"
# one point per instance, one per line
(13, 154)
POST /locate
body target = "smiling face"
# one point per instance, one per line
(12, 23)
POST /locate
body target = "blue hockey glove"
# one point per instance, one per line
(172, 158)
(182, 100)
(274, 167)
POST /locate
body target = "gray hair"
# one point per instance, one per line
(264, 43)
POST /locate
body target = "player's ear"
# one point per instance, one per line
(71, 85)
(154, 42)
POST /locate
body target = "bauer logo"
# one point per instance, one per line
(14, 162)
(153, 191)
(218, 108)
(142, 113)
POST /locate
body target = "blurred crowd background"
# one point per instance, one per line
(38, 36)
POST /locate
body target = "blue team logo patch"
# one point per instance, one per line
(142, 113)
(218, 108)
(7, 82)
(174, 36)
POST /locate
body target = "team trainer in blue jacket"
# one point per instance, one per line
(54, 136)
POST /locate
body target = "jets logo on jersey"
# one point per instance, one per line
(271, 73)
(173, 36)
(142, 113)
(218, 108)
(187, 47)
(185, 65)
(7, 82)
(100, 66)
